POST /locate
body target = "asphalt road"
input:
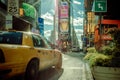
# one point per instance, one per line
(73, 68)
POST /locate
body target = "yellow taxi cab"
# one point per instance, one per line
(26, 52)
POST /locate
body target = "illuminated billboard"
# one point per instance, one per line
(64, 10)
(64, 25)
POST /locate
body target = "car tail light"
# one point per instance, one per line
(2, 58)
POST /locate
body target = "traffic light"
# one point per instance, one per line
(21, 12)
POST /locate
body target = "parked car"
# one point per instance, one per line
(75, 48)
(26, 52)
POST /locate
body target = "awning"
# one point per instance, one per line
(29, 10)
(21, 24)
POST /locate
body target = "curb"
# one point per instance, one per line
(88, 74)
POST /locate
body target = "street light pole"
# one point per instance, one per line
(100, 30)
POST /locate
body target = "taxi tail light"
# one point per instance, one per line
(2, 58)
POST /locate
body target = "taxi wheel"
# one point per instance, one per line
(59, 64)
(32, 70)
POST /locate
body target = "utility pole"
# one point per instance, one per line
(100, 29)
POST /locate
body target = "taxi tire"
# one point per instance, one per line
(59, 63)
(32, 70)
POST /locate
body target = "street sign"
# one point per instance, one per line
(100, 6)
(41, 25)
(13, 6)
(8, 22)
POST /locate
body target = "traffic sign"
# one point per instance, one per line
(13, 6)
(100, 6)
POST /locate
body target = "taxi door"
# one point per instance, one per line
(43, 51)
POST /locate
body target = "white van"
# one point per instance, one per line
(75, 48)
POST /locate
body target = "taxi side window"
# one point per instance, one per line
(37, 41)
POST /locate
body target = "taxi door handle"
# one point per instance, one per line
(39, 51)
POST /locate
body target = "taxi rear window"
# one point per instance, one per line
(11, 38)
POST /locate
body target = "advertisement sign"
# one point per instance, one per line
(64, 25)
(13, 6)
(64, 10)
(41, 25)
